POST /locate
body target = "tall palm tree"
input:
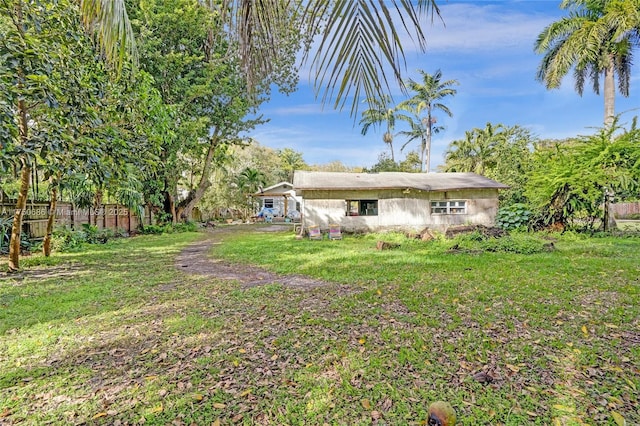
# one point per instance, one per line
(380, 111)
(427, 99)
(596, 39)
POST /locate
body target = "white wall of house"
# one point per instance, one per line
(408, 210)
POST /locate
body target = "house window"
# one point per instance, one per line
(268, 203)
(362, 207)
(449, 207)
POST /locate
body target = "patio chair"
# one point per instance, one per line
(314, 232)
(335, 233)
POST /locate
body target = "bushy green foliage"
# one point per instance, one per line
(513, 217)
(66, 239)
(569, 179)
(5, 234)
(515, 242)
(169, 228)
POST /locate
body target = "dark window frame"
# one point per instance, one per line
(367, 207)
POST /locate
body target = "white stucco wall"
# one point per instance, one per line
(401, 210)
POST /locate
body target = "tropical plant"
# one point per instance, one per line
(359, 40)
(596, 39)
(428, 97)
(497, 151)
(570, 181)
(513, 217)
(476, 152)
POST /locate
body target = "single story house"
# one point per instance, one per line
(396, 201)
(279, 198)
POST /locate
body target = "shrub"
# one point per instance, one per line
(66, 239)
(169, 228)
(519, 242)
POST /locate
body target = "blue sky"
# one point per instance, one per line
(488, 47)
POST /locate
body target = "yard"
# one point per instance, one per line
(120, 334)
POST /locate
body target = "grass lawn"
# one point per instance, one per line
(117, 335)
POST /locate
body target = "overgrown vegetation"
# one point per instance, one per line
(116, 334)
(66, 239)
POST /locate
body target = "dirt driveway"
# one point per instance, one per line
(195, 259)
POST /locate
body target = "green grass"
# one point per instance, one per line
(117, 334)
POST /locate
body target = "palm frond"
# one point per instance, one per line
(108, 21)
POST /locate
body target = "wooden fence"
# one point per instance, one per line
(624, 210)
(107, 216)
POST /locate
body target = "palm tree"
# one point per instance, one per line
(427, 99)
(477, 151)
(380, 111)
(250, 180)
(596, 39)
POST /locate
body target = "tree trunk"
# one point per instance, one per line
(46, 244)
(194, 197)
(25, 174)
(16, 228)
(169, 205)
(609, 94)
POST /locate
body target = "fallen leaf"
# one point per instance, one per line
(564, 408)
(237, 418)
(618, 418)
(379, 292)
(98, 415)
(5, 413)
(274, 357)
(366, 404)
(584, 330)
(219, 405)
(630, 383)
(198, 397)
(375, 415)
(242, 351)
(157, 409)
(362, 340)
(216, 422)
(246, 392)
(513, 368)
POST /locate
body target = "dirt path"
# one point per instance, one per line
(195, 259)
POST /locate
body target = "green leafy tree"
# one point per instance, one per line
(428, 98)
(596, 39)
(569, 180)
(39, 57)
(290, 161)
(359, 39)
(183, 45)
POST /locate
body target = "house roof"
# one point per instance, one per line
(282, 188)
(305, 181)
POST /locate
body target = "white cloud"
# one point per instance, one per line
(486, 27)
